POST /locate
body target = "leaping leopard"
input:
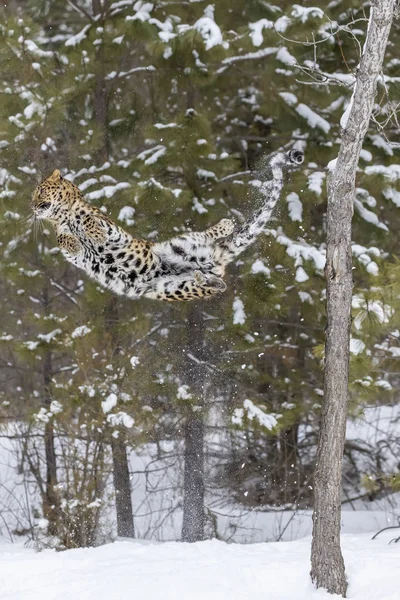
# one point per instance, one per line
(186, 267)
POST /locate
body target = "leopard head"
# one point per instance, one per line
(51, 196)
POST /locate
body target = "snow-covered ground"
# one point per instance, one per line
(212, 570)
(157, 480)
(209, 570)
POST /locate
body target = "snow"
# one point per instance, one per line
(356, 346)
(249, 56)
(154, 157)
(165, 125)
(380, 142)
(285, 57)
(183, 393)
(120, 418)
(301, 275)
(259, 267)
(56, 407)
(80, 331)
(204, 174)
(126, 215)
(108, 191)
(295, 206)
(345, 116)
(366, 155)
(208, 29)
(33, 48)
(143, 10)
(306, 297)
(304, 13)
(392, 172)
(373, 268)
(239, 316)
(382, 312)
(368, 215)
(372, 429)
(134, 360)
(254, 413)
(78, 38)
(301, 251)
(198, 207)
(211, 569)
(312, 118)
(315, 181)
(109, 403)
(256, 30)
(393, 195)
(289, 98)
(48, 337)
(331, 166)
(31, 345)
(282, 24)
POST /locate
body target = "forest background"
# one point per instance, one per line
(161, 112)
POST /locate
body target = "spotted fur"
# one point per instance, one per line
(186, 267)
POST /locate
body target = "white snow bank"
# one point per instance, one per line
(210, 569)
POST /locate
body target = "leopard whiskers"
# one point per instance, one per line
(38, 226)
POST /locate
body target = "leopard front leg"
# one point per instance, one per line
(95, 231)
(222, 229)
(69, 244)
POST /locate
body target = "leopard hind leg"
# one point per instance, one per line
(184, 287)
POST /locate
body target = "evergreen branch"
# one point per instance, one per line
(81, 10)
(122, 74)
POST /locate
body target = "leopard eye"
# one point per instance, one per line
(44, 205)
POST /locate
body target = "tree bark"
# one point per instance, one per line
(121, 475)
(51, 502)
(193, 486)
(123, 500)
(327, 565)
(51, 499)
(193, 478)
(100, 96)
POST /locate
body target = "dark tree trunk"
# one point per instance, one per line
(100, 92)
(327, 565)
(121, 475)
(193, 482)
(193, 485)
(51, 502)
(123, 500)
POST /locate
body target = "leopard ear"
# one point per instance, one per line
(55, 176)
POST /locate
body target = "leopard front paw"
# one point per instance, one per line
(226, 227)
(69, 244)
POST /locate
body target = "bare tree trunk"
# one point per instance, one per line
(51, 503)
(100, 96)
(123, 500)
(327, 565)
(121, 475)
(193, 487)
(193, 482)
(51, 500)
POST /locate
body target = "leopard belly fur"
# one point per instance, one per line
(179, 269)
